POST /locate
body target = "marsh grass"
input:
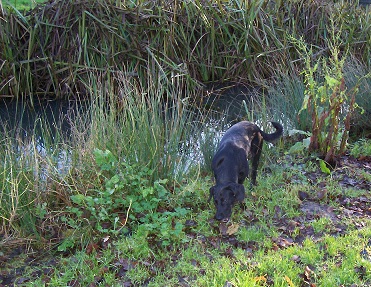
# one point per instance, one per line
(42, 171)
(146, 125)
(138, 66)
(358, 74)
(286, 94)
(27, 165)
(61, 42)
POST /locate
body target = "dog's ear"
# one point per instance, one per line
(211, 193)
(238, 191)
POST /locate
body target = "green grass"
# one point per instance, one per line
(22, 5)
(326, 262)
(213, 41)
(173, 240)
(123, 212)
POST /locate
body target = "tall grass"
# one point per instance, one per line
(358, 74)
(138, 125)
(286, 95)
(30, 160)
(287, 91)
(59, 43)
(131, 120)
(139, 65)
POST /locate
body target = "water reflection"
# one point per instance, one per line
(32, 135)
(40, 119)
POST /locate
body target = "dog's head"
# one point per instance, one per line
(225, 196)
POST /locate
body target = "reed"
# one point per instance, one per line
(59, 44)
(139, 65)
(28, 163)
(138, 125)
(357, 74)
(285, 99)
(131, 120)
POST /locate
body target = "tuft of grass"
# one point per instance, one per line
(150, 126)
(358, 74)
(148, 136)
(361, 148)
(286, 93)
(30, 165)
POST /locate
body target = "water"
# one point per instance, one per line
(43, 126)
(24, 119)
(35, 133)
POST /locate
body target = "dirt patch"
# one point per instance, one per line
(313, 209)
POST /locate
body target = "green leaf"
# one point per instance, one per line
(160, 189)
(331, 81)
(181, 212)
(306, 142)
(324, 167)
(66, 244)
(104, 159)
(300, 146)
(147, 191)
(78, 198)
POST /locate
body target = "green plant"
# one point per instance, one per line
(17, 193)
(322, 224)
(21, 4)
(127, 198)
(27, 165)
(357, 73)
(149, 126)
(328, 101)
(286, 93)
(361, 148)
(302, 145)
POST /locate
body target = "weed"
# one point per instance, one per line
(138, 64)
(128, 197)
(354, 71)
(139, 125)
(286, 93)
(361, 148)
(327, 101)
(322, 224)
(245, 41)
(138, 275)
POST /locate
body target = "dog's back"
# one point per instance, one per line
(243, 133)
(239, 135)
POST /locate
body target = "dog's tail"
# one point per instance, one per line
(274, 136)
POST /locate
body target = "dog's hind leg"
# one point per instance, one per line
(256, 149)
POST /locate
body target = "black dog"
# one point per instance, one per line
(241, 142)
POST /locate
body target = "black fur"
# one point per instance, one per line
(242, 142)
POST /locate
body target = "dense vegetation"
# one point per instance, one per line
(60, 43)
(123, 196)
